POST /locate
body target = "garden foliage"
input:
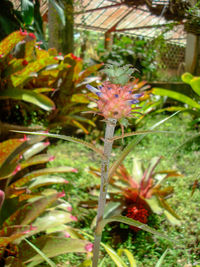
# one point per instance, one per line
(28, 210)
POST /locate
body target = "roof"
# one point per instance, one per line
(127, 17)
(113, 15)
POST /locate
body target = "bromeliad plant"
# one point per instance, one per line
(27, 210)
(28, 73)
(140, 193)
(116, 100)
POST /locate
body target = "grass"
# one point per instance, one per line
(146, 248)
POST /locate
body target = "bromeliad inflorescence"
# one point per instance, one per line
(116, 99)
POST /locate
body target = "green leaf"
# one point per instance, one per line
(129, 256)
(60, 11)
(44, 181)
(20, 77)
(39, 159)
(29, 96)
(160, 261)
(187, 77)
(195, 84)
(177, 96)
(154, 205)
(171, 218)
(27, 9)
(66, 138)
(131, 222)
(51, 219)
(35, 149)
(41, 172)
(51, 246)
(114, 256)
(51, 263)
(30, 211)
(7, 44)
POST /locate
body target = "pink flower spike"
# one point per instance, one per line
(51, 158)
(61, 194)
(67, 235)
(17, 169)
(74, 218)
(69, 208)
(66, 182)
(89, 247)
(1, 55)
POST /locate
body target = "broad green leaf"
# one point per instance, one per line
(20, 77)
(171, 218)
(81, 98)
(51, 263)
(30, 211)
(129, 256)
(14, 233)
(38, 159)
(67, 138)
(13, 262)
(42, 90)
(7, 44)
(29, 96)
(88, 72)
(114, 256)
(137, 170)
(177, 96)
(131, 222)
(59, 10)
(131, 146)
(27, 9)
(45, 180)
(160, 261)
(35, 149)
(154, 205)
(41, 172)
(195, 84)
(51, 246)
(7, 147)
(51, 219)
(187, 77)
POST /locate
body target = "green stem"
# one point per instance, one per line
(110, 128)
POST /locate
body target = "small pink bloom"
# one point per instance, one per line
(60, 54)
(17, 169)
(25, 138)
(23, 33)
(69, 208)
(61, 194)
(67, 235)
(89, 247)
(51, 158)
(66, 182)
(1, 55)
(47, 143)
(74, 170)
(74, 218)
(32, 35)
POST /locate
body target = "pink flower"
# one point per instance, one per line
(66, 234)
(74, 218)
(115, 101)
(89, 247)
(69, 208)
(17, 169)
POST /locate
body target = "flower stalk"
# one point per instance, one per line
(108, 142)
